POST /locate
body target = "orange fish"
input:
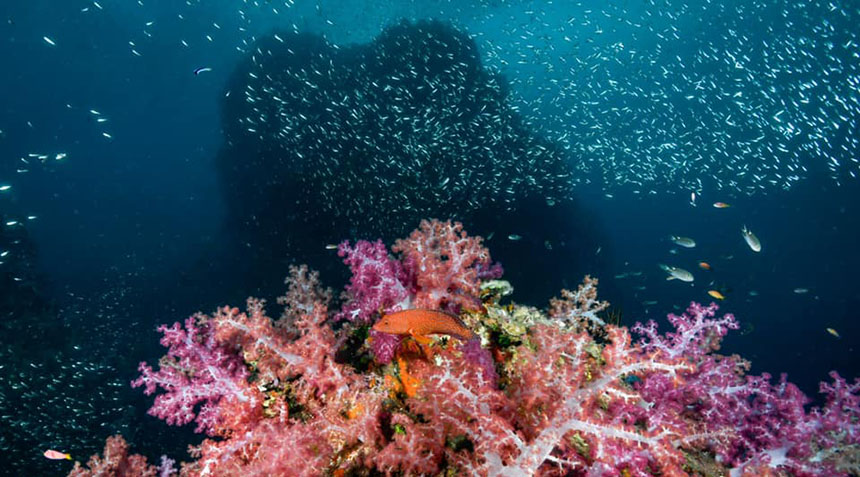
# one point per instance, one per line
(704, 265)
(716, 294)
(721, 205)
(419, 323)
(56, 455)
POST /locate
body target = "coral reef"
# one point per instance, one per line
(567, 393)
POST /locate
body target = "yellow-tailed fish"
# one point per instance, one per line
(56, 455)
(716, 294)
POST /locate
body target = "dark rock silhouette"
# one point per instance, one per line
(324, 143)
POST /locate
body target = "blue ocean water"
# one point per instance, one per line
(139, 175)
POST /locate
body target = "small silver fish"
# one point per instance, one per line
(514, 237)
(685, 242)
(751, 239)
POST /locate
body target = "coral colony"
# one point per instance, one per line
(317, 392)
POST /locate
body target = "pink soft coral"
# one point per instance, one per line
(118, 463)
(447, 264)
(579, 396)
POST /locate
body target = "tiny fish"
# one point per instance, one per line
(801, 291)
(705, 265)
(5, 187)
(56, 455)
(721, 205)
(833, 332)
(514, 237)
(716, 294)
(685, 242)
(331, 246)
(751, 239)
(49, 41)
(693, 199)
(202, 69)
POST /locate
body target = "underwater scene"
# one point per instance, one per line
(351, 238)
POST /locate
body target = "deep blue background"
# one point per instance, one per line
(143, 208)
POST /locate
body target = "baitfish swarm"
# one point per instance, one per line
(406, 126)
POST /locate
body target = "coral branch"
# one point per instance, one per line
(378, 283)
(447, 265)
(197, 369)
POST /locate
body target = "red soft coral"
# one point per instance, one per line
(579, 397)
(447, 265)
(271, 448)
(117, 463)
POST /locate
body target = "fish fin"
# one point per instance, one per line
(424, 343)
(670, 277)
(422, 340)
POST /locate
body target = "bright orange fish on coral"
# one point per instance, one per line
(419, 323)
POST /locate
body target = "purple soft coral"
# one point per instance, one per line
(753, 423)
(195, 370)
(696, 332)
(377, 283)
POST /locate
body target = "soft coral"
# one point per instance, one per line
(447, 264)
